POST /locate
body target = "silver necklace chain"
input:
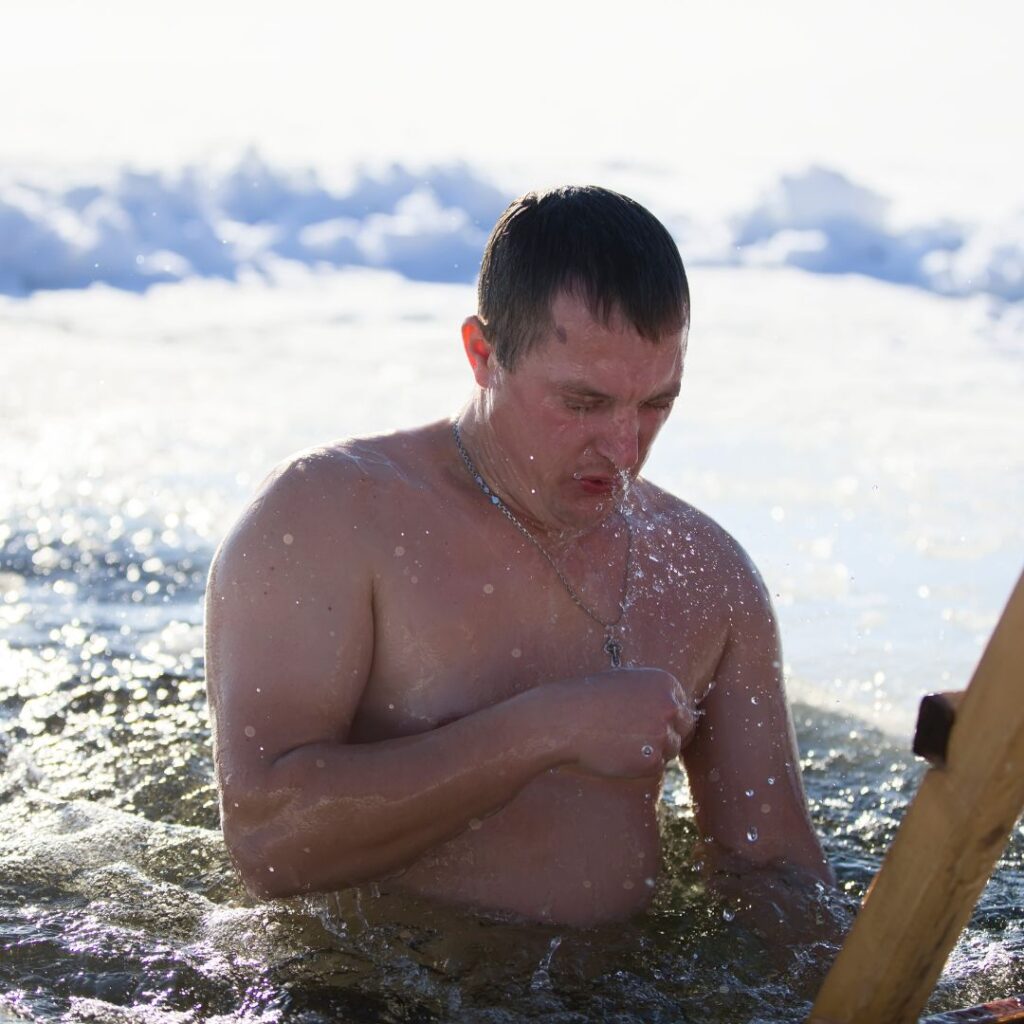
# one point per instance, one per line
(612, 644)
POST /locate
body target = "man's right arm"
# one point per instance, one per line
(290, 634)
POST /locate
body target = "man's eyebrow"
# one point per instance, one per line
(581, 390)
(669, 392)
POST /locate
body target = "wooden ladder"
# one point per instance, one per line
(951, 836)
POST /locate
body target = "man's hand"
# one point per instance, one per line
(628, 723)
(787, 905)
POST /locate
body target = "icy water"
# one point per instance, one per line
(863, 442)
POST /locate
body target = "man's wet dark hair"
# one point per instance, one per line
(591, 242)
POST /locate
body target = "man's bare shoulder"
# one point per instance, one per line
(690, 537)
(351, 467)
(331, 496)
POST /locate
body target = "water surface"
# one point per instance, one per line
(868, 455)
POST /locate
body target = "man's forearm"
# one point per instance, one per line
(324, 815)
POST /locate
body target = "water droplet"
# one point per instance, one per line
(766, 808)
(475, 823)
(321, 763)
(750, 792)
(516, 652)
(753, 700)
(586, 883)
(752, 834)
(771, 780)
(488, 588)
(627, 884)
(399, 551)
(250, 731)
(287, 538)
(729, 914)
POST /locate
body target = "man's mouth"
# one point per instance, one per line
(598, 485)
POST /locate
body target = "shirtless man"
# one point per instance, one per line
(456, 660)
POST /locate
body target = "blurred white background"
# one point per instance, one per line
(918, 99)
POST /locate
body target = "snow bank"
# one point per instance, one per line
(821, 221)
(135, 229)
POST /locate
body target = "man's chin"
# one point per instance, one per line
(590, 510)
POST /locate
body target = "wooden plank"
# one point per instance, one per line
(947, 845)
(999, 1011)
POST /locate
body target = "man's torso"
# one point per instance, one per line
(467, 613)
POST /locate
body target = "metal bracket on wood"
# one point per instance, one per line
(935, 718)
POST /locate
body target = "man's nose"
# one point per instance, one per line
(621, 441)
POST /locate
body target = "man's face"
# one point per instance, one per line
(578, 414)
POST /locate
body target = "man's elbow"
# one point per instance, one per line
(276, 857)
(276, 871)
(258, 842)
(254, 856)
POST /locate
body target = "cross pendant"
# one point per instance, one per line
(613, 648)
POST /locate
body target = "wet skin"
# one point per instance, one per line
(404, 692)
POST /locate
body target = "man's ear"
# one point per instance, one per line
(478, 350)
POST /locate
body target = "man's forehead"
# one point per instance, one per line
(610, 365)
(573, 312)
(574, 315)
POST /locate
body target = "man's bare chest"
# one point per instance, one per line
(463, 622)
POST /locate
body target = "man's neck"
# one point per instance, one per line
(508, 477)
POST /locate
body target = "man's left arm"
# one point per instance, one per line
(743, 764)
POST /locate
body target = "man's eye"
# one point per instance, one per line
(580, 406)
(662, 406)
